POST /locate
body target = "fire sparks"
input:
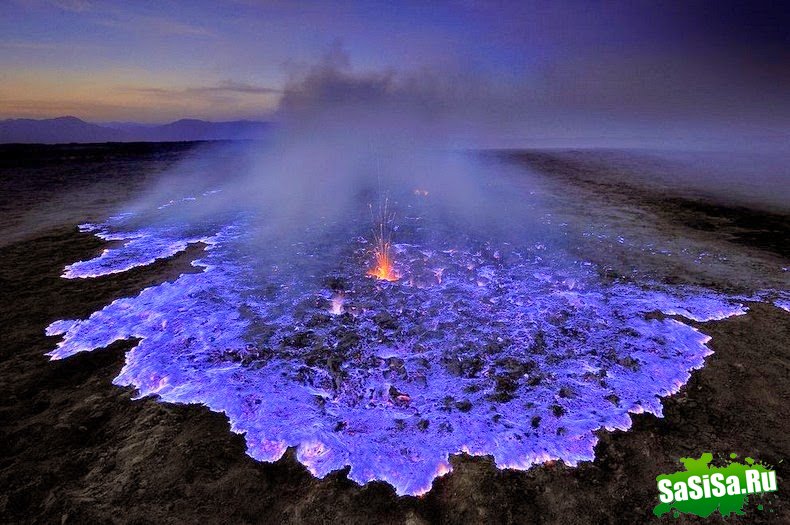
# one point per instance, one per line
(384, 269)
(382, 240)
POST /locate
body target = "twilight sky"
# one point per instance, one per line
(528, 69)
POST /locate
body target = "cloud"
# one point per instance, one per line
(226, 87)
(122, 17)
(333, 85)
(30, 46)
(223, 100)
(655, 96)
(445, 105)
(235, 87)
(152, 23)
(74, 6)
(38, 108)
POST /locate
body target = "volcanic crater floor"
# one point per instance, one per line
(78, 449)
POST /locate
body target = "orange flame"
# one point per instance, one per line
(384, 269)
(382, 234)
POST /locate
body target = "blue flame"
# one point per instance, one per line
(521, 357)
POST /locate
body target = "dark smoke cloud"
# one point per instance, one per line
(692, 75)
(432, 107)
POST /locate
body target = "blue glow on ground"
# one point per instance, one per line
(478, 348)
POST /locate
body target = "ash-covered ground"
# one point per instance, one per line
(528, 341)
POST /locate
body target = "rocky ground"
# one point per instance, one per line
(76, 449)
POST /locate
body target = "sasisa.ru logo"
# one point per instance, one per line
(701, 488)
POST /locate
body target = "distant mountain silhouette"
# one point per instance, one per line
(72, 129)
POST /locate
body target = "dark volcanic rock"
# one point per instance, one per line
(385, 320)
